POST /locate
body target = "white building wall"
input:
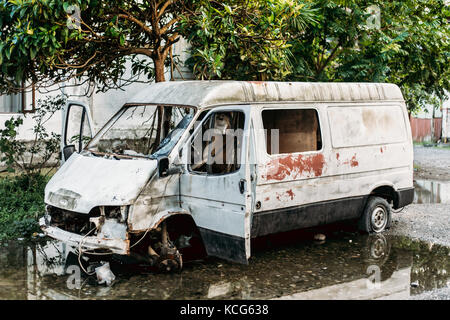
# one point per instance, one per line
(103, 105)
(446, 119)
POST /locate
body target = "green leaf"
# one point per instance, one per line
(33, 52)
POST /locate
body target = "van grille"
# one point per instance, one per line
(70, 221)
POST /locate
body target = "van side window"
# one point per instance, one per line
(291, 130)
(216, 149)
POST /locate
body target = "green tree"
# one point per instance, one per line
(244, 40)
(50, 41)
(409, 46)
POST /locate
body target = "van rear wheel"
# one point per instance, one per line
(376, 217)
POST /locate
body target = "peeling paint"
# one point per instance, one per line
(295, 166)
(352, 162)
(290, 194)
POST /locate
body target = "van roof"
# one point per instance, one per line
(203, 94)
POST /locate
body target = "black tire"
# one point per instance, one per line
(376, 217)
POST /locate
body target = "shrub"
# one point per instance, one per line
(21, 205)
(31, 157)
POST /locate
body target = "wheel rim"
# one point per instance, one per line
(378, 248)
(378, 219)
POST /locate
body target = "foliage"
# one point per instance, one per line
(31, 157)
(46, 42)
(410, 47)
(21, 204)
(325, 40)
(244, 40)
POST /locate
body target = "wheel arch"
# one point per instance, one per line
(182, 223)
(386, 191)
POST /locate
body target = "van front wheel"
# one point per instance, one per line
(376, 216)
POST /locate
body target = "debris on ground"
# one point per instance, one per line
(104, 274)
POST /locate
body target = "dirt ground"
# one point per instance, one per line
(428, 222)
(432, 163)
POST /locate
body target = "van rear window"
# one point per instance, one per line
(366, 125)
(291, 130)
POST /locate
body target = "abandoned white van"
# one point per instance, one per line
(242, 160)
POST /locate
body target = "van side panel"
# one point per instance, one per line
(307, 215)
(365, 146)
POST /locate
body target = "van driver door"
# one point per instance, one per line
(76, 129)
(215, 187)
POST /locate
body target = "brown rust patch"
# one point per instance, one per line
(352, 162)
(267, 199)
(295, 166)
(337, 156)
(290, 194)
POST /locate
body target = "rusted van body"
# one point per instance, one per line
(307, 154)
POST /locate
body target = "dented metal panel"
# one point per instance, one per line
(118, 246)
(84, 182)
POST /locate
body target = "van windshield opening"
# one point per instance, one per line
(132, 132)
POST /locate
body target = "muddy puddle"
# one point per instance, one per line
(292, 266)
(429, 191)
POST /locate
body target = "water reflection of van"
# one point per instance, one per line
(370, 267)
(243, 160)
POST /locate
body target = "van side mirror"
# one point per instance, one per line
(68, 151)
(163, 167)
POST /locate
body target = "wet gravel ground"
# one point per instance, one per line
(438, 294)
(347, 265)
(431, 221)
(432, 163)
(427, 222)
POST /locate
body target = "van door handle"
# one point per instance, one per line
(242, 186)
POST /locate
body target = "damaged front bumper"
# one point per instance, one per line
(117, 246)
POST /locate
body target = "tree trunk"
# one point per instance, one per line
(164, 114)
(159, 69)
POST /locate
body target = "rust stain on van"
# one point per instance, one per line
(294, 166)
(290, 194)
(352, 162)
(337, 156)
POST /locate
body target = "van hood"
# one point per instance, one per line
(85, 182)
